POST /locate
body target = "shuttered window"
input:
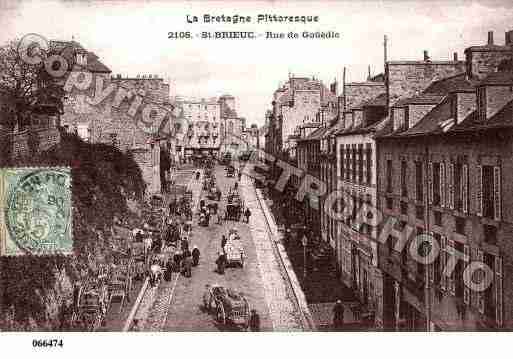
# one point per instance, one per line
(498, 292)
(442, 184)
(479, 191)
(430, 183)
(450, 185)
(443, 260)
(341, 161)
(466, 289)
(480, 295)
(419, 185)
(497, 192)
(452, 278)
(464, 188)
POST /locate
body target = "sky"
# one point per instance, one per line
(131, 38)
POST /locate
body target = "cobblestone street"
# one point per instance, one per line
(176, 305)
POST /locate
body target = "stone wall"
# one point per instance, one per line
(482, 62)
(466, 104)
(156, 90)
(496, 98)
(358, 92)
(306, 106)
(416, 112)
(106, 122)
(23, 144)
(408, 78)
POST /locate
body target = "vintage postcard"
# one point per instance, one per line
(259, 166)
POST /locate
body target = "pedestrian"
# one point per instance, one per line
(338, 315)
(184, 245)
(195, 256)
(169, 269)
(177, 258)
(223, 242)
(155, 273)
(187, 266)
(247, 214)
(239, 175)
(254, 321)
(221, 262)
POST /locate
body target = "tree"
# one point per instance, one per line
(29, 87)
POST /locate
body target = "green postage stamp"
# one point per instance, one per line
(36, 211)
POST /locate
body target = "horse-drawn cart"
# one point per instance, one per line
(231, 306)
(234, 207)
(234, 249)
(92, 306)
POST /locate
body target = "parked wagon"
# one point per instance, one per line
(231, 306)
(234, 251)
(234, 207)
(92, 306)
(120, 285)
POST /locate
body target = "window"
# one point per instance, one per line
(390, 244)
(458, 271)
(490, 234)
(488, 192)
(390, 203)
(438, 218)
(437, 270)
(459, 225)
(419, 185)
(436, 184)
(422, 252)
(419, 212)
(481, 103)
(389, 176)
(369, 165)
(353, 165)
(342, 168)
(404, 208)
(360, 163)
(404, 187)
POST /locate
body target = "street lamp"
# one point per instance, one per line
(305, 243)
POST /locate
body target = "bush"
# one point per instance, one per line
(103, 178)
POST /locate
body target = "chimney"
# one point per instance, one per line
(455, 56)
(509, 38)
(490, 37)
(426, 56)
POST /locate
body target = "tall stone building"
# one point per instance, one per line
(203, 121)
(443, 161)
(232, 126)
(129, 116)
(300, 100)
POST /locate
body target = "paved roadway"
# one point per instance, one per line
(177, 305)
(185, 311)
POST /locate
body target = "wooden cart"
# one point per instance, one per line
(231, 306)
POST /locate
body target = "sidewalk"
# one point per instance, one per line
(282, 308)
(321, 286)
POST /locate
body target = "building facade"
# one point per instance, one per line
(442, 163)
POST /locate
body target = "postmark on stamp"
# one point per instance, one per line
(36, 211)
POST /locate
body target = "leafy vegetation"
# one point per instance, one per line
(37, 291)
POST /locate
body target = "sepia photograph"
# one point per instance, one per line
(260, 166)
